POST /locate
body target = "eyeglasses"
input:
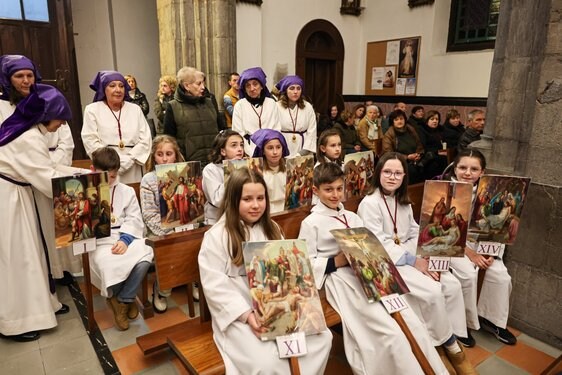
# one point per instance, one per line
(397, 175)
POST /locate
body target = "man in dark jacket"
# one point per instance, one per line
(474, 128)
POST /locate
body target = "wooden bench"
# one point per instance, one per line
(176, 264)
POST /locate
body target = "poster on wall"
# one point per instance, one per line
(392, 54)
(389, 77)
(408, 57)
(410, 86)
(377, 78)
(400, 86)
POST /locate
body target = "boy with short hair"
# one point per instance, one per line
(374, 343)
(121, 261)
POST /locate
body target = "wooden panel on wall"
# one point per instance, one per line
(392, 67)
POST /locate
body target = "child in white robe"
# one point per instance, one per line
(374, 343)
(120, 261)
(436, 299)
(491, 310)
(224, 280)
(228, 145)
(165, 150)
(272, 147)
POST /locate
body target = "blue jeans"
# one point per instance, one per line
(126, 291)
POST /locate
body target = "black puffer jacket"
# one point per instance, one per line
(140, 99)
(193, 121)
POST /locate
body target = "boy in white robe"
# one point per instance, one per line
(374, 343)
(121, 261)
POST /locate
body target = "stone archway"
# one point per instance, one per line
(319, 61)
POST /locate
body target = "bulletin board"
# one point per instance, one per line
(392, 67)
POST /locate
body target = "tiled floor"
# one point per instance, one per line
(68, 350)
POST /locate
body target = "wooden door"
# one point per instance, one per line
(50, 44)
(319, 62)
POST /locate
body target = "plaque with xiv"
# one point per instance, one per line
(497, 212)
(445, 213)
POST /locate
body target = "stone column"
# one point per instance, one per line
(199, 33)
(523, 136)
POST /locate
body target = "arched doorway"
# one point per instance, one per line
(319, 61)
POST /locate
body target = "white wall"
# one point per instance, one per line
(276, 24)
(457, 74)
(275, 27)
(134, 48)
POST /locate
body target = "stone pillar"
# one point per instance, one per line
(199, 33)
(523, 136)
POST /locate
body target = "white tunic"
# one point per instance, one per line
(61, 259)
(276, 182)
(227, 292)
(374, 343)
(302, 121)
(213, 188)
(27, 304)
(107, 268)
(493, 303)
(100, 129)
(439, 305)
(61, 145)
(246, 120)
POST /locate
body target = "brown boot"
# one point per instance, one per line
(133, 310)
(119, 313)
(461, 364)
(443, 355)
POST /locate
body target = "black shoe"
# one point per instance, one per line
(63, 310)
(502, 334)
(469, 341)
(66, 280)
(25, 337)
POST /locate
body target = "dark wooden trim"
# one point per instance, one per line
(460, 47)
(255, 2)
(417, 3)
(429, 100)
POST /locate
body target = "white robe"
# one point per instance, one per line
(107, 268)
(213, 188)
(493, 303)
(439, 305)
(100, 129)
(374, 343)
(61, 259)
(27, 304)
(245, 120)
(228, 295)
(276, 182)
(61, 145)
(305, 124)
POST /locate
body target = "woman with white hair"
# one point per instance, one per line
(191, 117)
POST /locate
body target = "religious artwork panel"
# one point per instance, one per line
(180, 188)
(498, 207)
(444, 217)
(359, 169)
(282, 288)
(253, 164)
(298, 190)
(82, 208)
(409, 51)
(371, 263)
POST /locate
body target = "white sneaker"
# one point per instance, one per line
(195, 293)
(159, 303)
